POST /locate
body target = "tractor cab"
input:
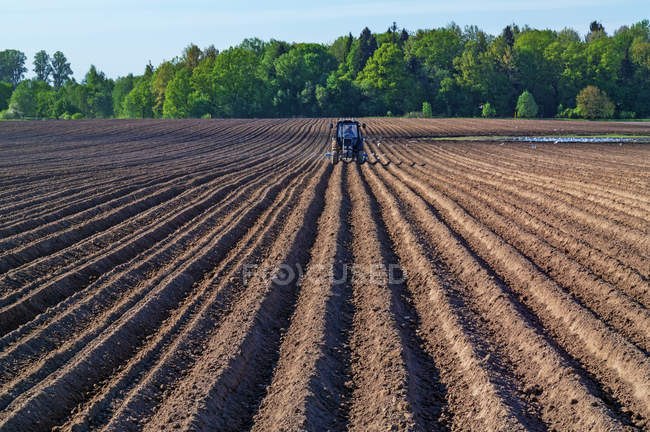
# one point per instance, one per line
(347, 144)
(348, 131)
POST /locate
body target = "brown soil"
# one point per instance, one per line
(222, 275)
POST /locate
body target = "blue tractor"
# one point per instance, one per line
(347, 145)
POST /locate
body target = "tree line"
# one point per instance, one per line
(446, 71)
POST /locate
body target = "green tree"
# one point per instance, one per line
(566, 57)
(404, 36)
(139, 102)
(42, 66)
(390, 36)
(488, 111)
(349, 40)
(430, 58)
(121, 89)
(602, 64)
(26, 98)
(161, 78)
(78, 96)
(296, 75)
(596, 30)
(534, 71)
(177, 96)
(363, 50)
(191, 56)
(508, 36)
(451, 69)
(385, 80)
(11, 113)
(427, 112)
(210, 53)
(526, 105)
(12, 66)
(339, 97)
(436, 49)
(593, 103)
(61, 104)
(254, 45)
(483, 74)
(340, 48)
(45, 102)
(237, 88)
(68, 99)
(451, 96)
(5, 94)
(98, 94)
(201, 81)
(271, 51)
(61, 71)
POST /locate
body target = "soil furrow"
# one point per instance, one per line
(222, 274)
(619, 311)
(628, 366)
(224, 386)
(399, 383)
(124, 335)
(139, 386)
(553, 373)
(309, 389)
(472, 394)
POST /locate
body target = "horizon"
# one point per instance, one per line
(94, 36)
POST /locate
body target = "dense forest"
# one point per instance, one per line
(446, 71)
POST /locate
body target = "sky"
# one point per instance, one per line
(121, 36)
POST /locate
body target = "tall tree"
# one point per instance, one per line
(26, 98)
(256, 45)
(191, 56)
(297, 74)
(404, 36)
(121, 89)
(61, 71)
(596, 30)
(5, 93)
(385, 80)
(237, 88)
(595, 26)
(340, 48)
(508, 36)
(99, 97)
(12, 66)
(139, 102)
(348, 46)
(177, 96)
(436, 49)
(161, 78)
(42, 66)
(210, 52)
(483, 76)
(534, 72)
(339, 97)
(367, 47)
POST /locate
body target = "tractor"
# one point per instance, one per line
(347, 145)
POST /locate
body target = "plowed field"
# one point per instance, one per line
(223, 275)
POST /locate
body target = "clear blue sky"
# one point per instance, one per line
(121, 36)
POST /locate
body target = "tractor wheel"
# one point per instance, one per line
(335, 153)
(360, 158)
